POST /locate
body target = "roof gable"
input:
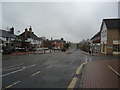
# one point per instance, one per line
(111, 23)
(29, 35)
(4, 33)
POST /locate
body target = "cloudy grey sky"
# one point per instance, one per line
(72, 21)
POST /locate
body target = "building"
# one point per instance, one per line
(95, 42)
(58, 43)
(29, 39)
(7, 37)
(110, 36)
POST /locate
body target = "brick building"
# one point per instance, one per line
(110, 36)
(58, 43)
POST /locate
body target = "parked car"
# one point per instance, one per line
(63, 49)
(8, 49)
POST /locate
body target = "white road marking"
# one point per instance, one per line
(11, 69)
(12, 85)
(35, 73)
(49, 66)
(114, 71)
(18, 70)
(90, 59)
(30, 66)
(86, 58)
(13, 65)
(13, 72)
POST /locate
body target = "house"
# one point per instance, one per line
(95, 42)
(110, 36)
(7, 37)
(58, 43)
(29, 39)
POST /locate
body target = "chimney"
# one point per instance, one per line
(26, 30)
(12, 30)
(62, 39)
(26, 33)
(30, 29)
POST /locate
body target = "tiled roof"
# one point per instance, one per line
(4, 33)
(96, 35)
(58, 40)
(111, 23)
(29, 35)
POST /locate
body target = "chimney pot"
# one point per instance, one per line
(12, 30)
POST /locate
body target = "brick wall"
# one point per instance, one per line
(112, 35)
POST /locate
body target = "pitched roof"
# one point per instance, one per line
(4, 33)
(111, 23)
(58, 40)
(29, 35)
(96, 35)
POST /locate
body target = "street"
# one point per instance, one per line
(50, 70)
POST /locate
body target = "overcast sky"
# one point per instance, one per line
(72, 21)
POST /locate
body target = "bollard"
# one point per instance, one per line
(44, 51)
(17, 53)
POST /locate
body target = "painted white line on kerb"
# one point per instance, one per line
(35, 73)
(13, 72)
(13, 66)
(49, 66)
(114, 71)
(12, 85)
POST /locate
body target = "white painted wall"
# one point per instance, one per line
(104, 33)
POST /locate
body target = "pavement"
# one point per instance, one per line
(102, 74)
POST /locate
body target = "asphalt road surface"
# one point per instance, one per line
(50, 70)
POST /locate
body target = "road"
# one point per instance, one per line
(50, 70)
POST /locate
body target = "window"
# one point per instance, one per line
(116, 48)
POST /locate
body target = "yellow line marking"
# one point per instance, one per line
(79, 68)
(114, 70)
(72, 84)
(35, 73)
(74, 80)
(12, 66)
(49, 66)
(12, 85)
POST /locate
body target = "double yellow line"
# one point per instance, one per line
(74, 79)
